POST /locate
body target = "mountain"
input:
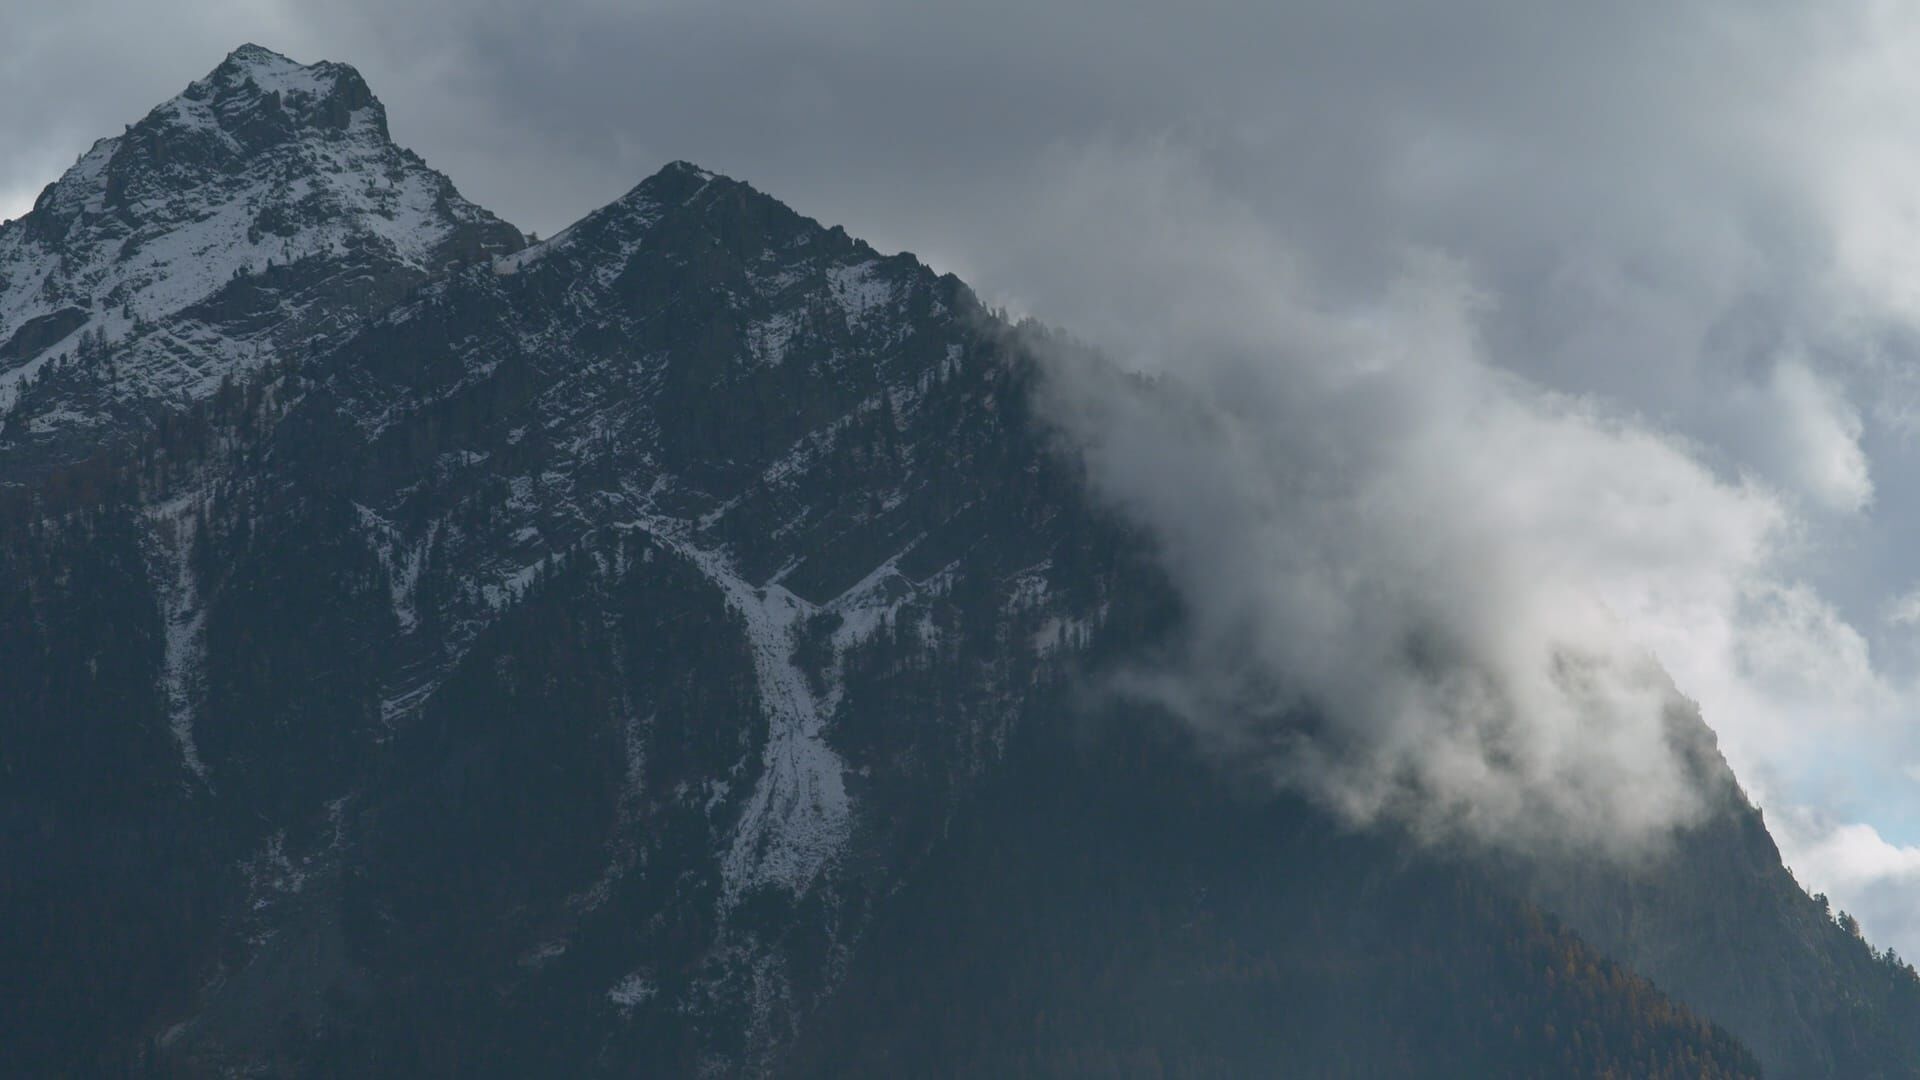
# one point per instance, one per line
(677, 647)
(257, 214)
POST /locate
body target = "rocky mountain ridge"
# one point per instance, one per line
(260, 212)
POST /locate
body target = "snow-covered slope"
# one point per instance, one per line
(262, 210)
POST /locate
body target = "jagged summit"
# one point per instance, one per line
(261, 209)
(325, 94)
(684, 206)
(253, 53)
(613, 229)
(254, 100)
(252, 60)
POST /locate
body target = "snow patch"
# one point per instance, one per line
(545, 951)
(276, 74)
(798, 817)
(769, 338)
(172, 528)
(632, 991)
(395, 708)
(860, 289)
(402, 561)
(871, 602)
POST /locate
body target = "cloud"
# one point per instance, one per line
(1905, 609)
(1815, 443)
(1427, 588)
(1414, 578)
(15, 202)
(1877, 878)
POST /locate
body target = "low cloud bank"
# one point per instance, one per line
(1417, 582)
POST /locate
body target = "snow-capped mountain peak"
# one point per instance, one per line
(203, 240)
(325, 94)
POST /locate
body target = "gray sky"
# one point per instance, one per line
(1662, 259)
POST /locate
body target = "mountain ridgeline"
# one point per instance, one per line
(677, 648)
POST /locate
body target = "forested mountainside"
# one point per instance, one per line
(677, 647)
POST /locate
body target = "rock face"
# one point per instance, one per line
(674, 647)
(256, 215)
(639, 569)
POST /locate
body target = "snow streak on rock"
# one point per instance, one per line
(798, 817)
(172, 530)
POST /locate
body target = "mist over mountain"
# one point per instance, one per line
(701, 644)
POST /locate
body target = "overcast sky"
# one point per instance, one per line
(1671, 250)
